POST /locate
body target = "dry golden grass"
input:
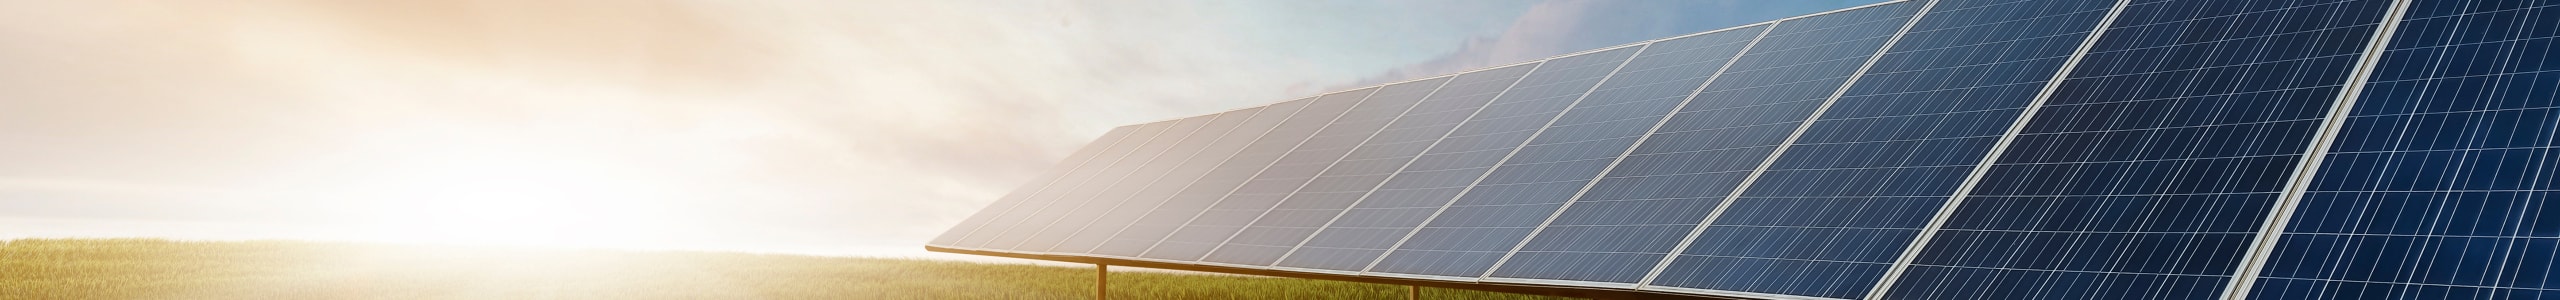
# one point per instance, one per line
(159, 269)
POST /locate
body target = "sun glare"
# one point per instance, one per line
(512, 194)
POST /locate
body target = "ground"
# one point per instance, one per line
(159, 269)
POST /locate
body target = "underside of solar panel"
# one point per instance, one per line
(1915, 149)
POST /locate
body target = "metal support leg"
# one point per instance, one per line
(1101, 281)
(1413, 292)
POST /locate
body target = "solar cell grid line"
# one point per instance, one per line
(1492, 217)
(1618, 229)
(1368, 229)
(1014, 199)
(1232, 176)
(1390, 105)
(1381, 181)
(1041, 229)
(1197, 132)
(1828, 214)
(1911, 250)
(1220, 223)
(1192, 241)
(2441, 181)
(1486, 173)
(2273, 229)
(2147, 173)
(1000, 233)
(1197, 155)
(1301, 213)
(1841, 103)
(1268, 139)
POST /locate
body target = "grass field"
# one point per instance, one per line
(158, 269)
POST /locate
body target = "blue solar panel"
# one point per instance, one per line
(1106, 192)
(1839, 206)
(1075, 232)
(1494, 216)
(1220, 223)
(1289, 223)
(1621, 229)
(2148, 171)
(1014, 199)
(2442, 181)
(1302, 118)
(1005, 231)
(1369, 228)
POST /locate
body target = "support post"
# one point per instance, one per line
(1413, 292)
(1101, 281)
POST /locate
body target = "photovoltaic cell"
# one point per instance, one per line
(2149, 170)
(2169, 164)
(1014, 199)
(1491, 218)
(1004, 232)
(1095, 197)
(1838, 208)
(2441, 185)
(1386, 215)
(1191, 239)
(1252, 146)
(1298, 216)
(1621, 229)
(1198, 133)
(1197, 155)
(1220, 223)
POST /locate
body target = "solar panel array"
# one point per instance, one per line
(1920, 149)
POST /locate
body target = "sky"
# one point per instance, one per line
(815, 127)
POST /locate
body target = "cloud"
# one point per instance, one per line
(1545, 29)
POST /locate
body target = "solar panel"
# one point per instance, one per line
(1196, 133)
(1219, 224)
(1043, 229)
(2440, 184)
(1838, 207)
(1622, 228)
(1195, 156)
(1494, 216)
(1253, 146)
(1290, 222)
(1300, 131)
(1930, 149)
(1014, 199)
(1366, 230)
(2149, 170)
(1005, 231)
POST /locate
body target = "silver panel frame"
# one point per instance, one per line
(1506, 158)
(1346, 154)
(2273, 231)
(1487, 276)
(1497, 96)
(1221, 162)
(1328, 123)
(1911, 253)
(1089, 200)
(1745, 185)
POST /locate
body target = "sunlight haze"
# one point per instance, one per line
(821, 127)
